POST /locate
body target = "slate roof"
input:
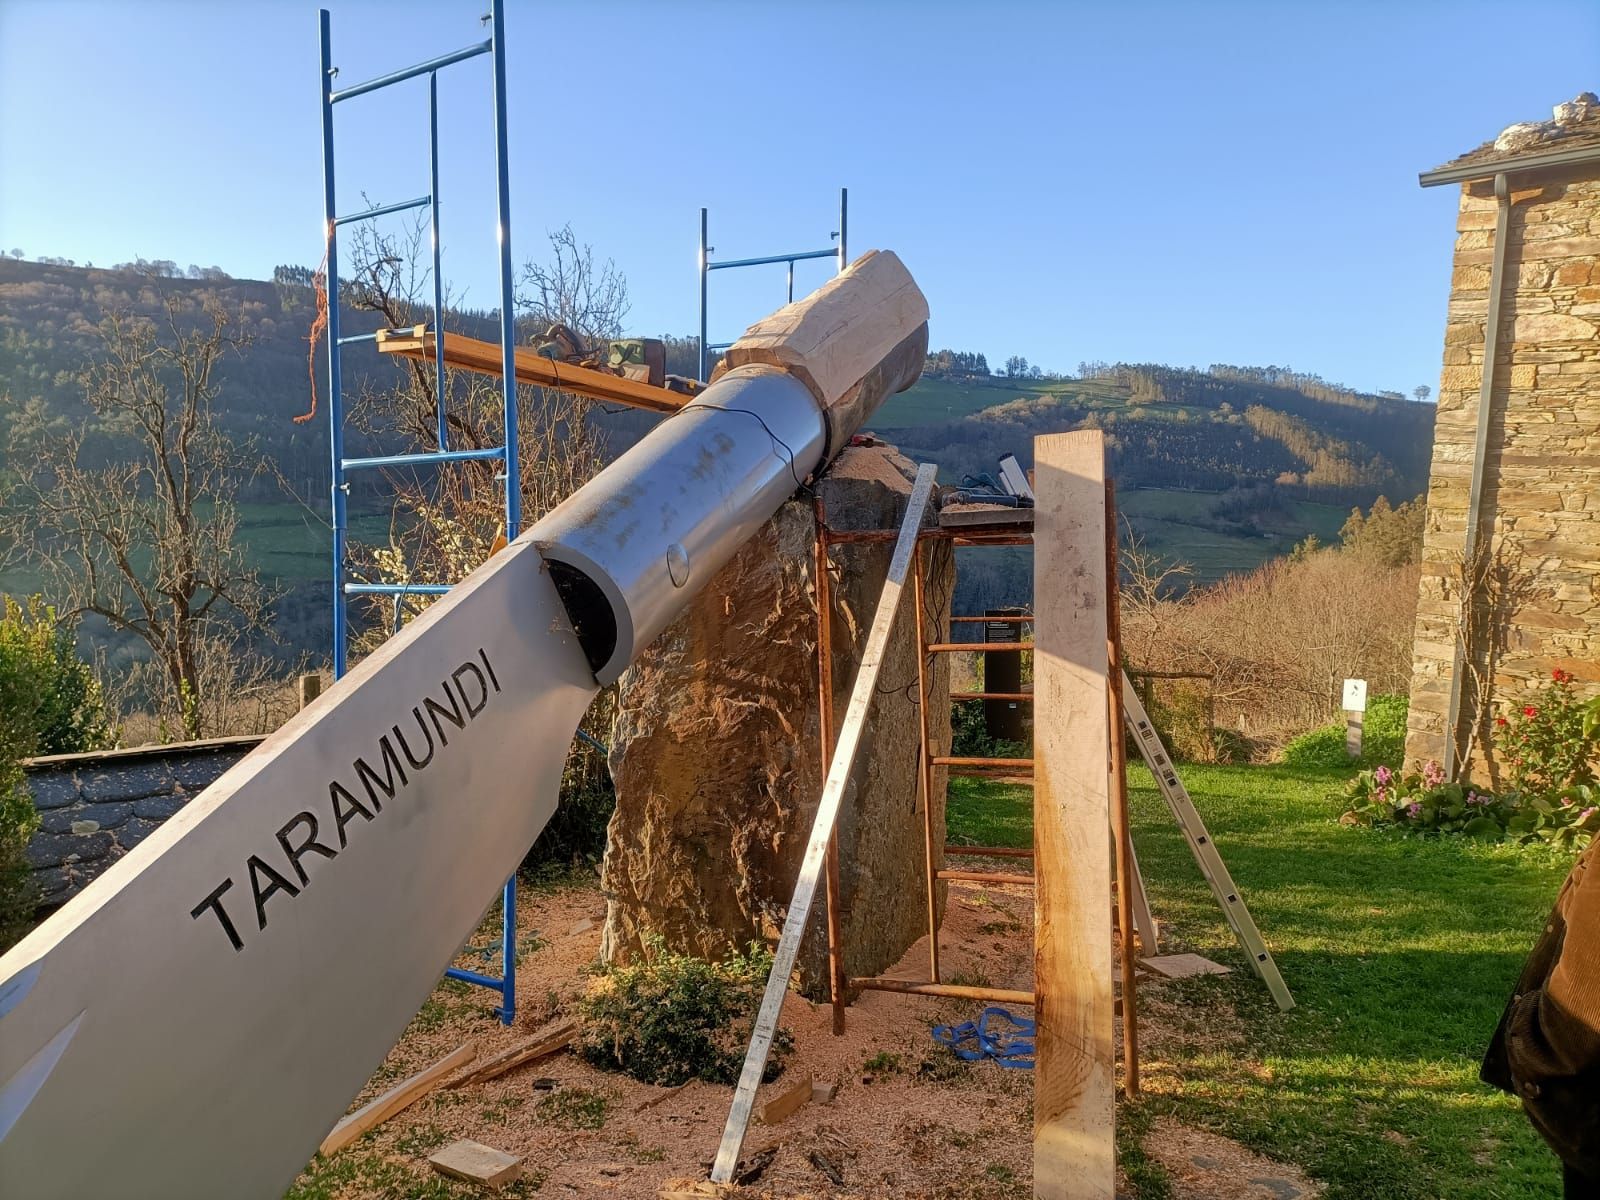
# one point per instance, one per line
(1576, 126)
(94, 808)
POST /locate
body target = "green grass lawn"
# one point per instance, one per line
(1400, 952)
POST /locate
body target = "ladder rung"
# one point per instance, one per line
(956, 647)
(425, 459)
(991, 696)
(986, 876)
(992, 851)
(400, 76)
(1020, 618)
(947, 760)
(383, 210)
(397, 589)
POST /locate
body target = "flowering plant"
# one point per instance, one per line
(1423, 800)
(1548, 741)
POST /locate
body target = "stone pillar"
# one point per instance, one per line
(715, 753)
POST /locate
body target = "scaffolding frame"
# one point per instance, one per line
(706, 265)
(506, 454)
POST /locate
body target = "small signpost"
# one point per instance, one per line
(1355, 707)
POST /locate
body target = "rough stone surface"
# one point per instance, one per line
(715, 754)
(94, 808)
(1542, 475)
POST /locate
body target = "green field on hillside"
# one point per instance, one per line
(935, 401)
(1181, 526)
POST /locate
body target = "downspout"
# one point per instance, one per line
(1491, 351)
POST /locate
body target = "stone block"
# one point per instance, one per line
(1542, 328)
(135, 831)
(58, 849)
(196, 772)
(134, 781)
(104, 816)
(55, 886)
(53, 789)
(159, 808)
(715, 752)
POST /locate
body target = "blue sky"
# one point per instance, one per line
(1179, 182)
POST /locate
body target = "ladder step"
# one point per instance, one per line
(1021, 764)
(426, 458)
(1028, 696)
(992, 851)
(958, 647)
(397, 589)
(986, 877)
(383, 210)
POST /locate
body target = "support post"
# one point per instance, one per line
(308, 688)
(925, 768)
(1121, 830)
(1074, 1152)
(836, 982)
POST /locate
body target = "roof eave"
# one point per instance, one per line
(1471, 172)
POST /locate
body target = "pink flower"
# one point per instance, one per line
(1432, 774)
(1414, 809)
(1586, 814)
(1382, 776)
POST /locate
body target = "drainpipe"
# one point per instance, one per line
(1491, 351)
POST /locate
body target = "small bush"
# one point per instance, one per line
(969, 734)
(1548, 741)
(670, 1018)
(1383, 739)
(1425, 802)
(49, 697)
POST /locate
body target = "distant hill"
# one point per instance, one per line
(1223, 467)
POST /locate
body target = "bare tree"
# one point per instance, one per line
(141, 532)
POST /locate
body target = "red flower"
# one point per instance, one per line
(1530, 711)
(1560, 676)
(1501, 722)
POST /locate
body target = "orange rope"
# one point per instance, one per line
(319, 325)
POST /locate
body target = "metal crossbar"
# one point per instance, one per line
(506, 454)
(839, 252)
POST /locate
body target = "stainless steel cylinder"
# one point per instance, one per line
(629, 548)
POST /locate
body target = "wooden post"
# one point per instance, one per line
(1121, 828)
(1074, 1153)
(309, 688)
(832, 886)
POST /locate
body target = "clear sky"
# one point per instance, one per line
(1171, 181)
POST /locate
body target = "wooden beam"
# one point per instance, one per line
(1074, 1152)
(471, 354)
(401, 1095)
(787, 1103)
(543, 1044)
(1121, 827)
(917, 987)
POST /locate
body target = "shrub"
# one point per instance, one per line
(1383, 739)
(670, 1018)
(48, 695)
(969, 734)
(576, 833)
(1549, 742)
(1425, 802)
(18, 820)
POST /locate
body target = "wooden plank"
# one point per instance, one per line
(1182, 966)
(954, 991)
(1074, 1079)
(546, 1042)
(402, 1095)
(833, 338)
(471, 354)
(786, 1104)
(1121, 829)
(805, 889)
(477, 1163)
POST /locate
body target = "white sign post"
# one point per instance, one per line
(1355, 706)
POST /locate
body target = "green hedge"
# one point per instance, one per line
(1383, 739)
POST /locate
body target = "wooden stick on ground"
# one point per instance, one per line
(401, 1096)
(541, 1045)
(1074, 1154)
(1126, 871)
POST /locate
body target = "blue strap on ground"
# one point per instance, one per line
(996, 1034)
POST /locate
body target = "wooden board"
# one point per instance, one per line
(787, 1103)
(477, 1163)
(471, 354)
(402, 1095)
(543, 1044)
(1182, 966)
(1074, 1153)
(835, 337)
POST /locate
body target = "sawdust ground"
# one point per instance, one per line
(914, 1125)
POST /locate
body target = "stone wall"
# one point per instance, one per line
(94, 808)
(715, 753)
(1541, 500)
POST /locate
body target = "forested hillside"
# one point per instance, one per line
(1223, 468)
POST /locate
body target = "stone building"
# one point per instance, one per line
(1511, 554)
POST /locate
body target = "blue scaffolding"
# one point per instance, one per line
(506, 454)
(839, 252)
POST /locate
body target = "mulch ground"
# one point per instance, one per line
(908, 1118)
